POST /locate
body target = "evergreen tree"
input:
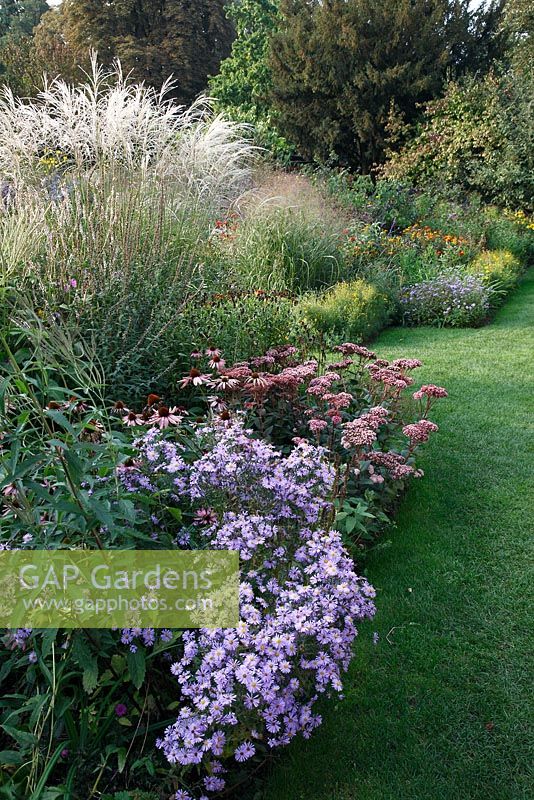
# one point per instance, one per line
(155, 38)
(339, 66)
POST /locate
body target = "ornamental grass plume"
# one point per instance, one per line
(110, 122)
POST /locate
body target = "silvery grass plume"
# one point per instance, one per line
(109, 123)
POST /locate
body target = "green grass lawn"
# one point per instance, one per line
(440, 707)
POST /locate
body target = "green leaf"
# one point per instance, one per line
(88, 662)
(121, 758)
(49, 638)
(174, 512)
(10, 757)
(90, 677)
(137, 667)
(22, 737)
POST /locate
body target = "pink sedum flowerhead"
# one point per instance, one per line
(317, 425)
(419, 432)
(430, 391)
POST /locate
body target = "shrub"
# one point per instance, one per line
(391, 203)
(510, 231)
(147, 343)
(478, 136)
(452, 300)
(355, 310)
(499, 269)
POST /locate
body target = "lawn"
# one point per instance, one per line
(439, 708)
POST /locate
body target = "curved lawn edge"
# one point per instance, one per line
(439, 708)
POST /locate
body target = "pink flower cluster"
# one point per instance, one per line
(362, 432)
(419, 432)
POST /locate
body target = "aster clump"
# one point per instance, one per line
(452, 299)
(246, 691)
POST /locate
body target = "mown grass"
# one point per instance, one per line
(439, 709)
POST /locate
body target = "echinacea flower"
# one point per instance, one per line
(224, 383)
(257, 380)
(132, 419)
(165, 417)
(195, 378)
(119, 409)
(205, 516)
(216, 362)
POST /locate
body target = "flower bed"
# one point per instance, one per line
(293, 464)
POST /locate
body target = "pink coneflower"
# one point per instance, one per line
(257, 381)
(224, 383)
(152, 399)
(196, 354)
(216, 362)
(213, 351)
(119, 409)
(205, 516)
(132, 419)
(195, 378)
(165, 417)
(78, 406)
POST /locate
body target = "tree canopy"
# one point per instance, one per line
(339, 66)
